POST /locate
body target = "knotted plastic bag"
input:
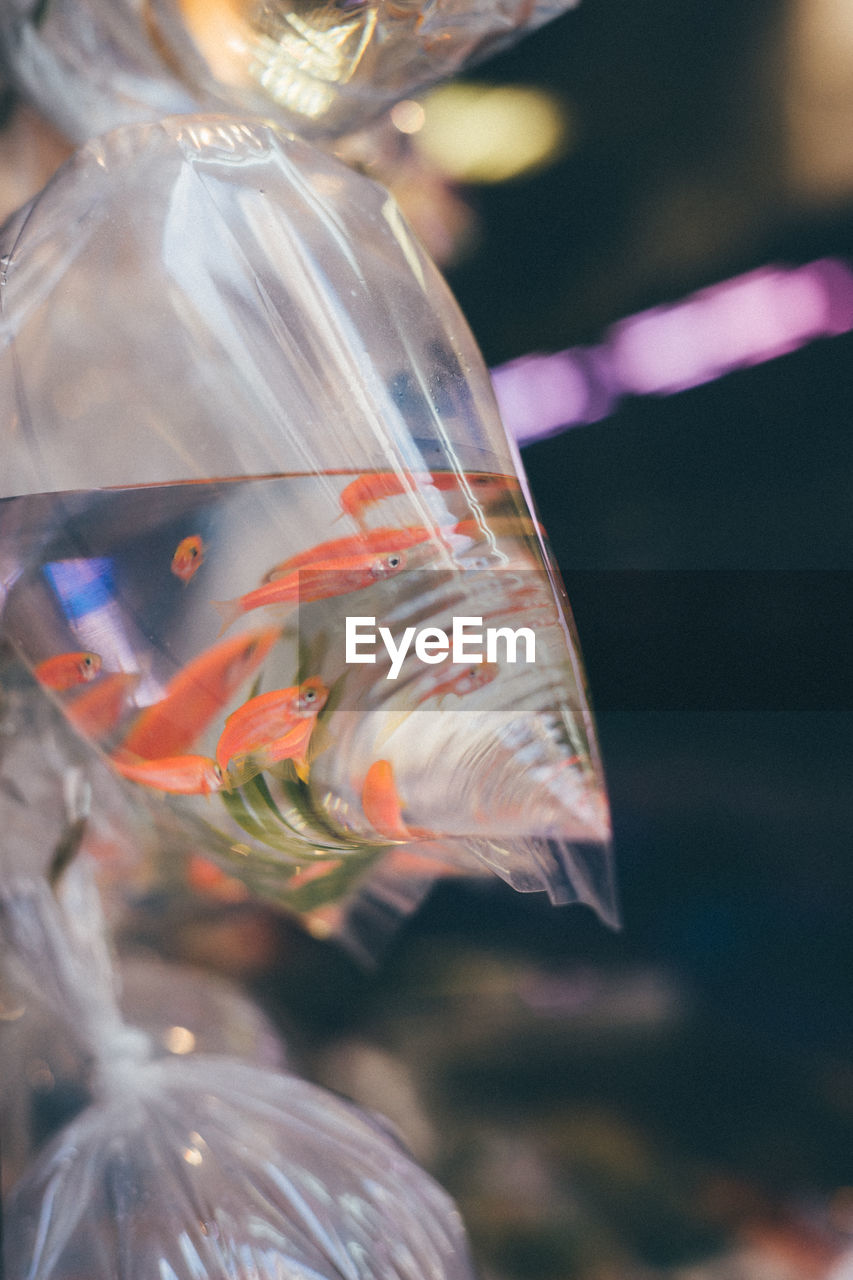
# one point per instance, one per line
(253, 474)
(199, 1167)
(323, 67)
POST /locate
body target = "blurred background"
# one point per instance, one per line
(646, 214)
(675, 1099)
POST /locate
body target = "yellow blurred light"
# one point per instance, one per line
(484, 134)
(408, 116)
(179, 1040)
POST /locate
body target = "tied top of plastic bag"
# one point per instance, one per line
(322, 67)
(201, 1167)
(214, 1170)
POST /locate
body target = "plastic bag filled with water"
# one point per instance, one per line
(322, 67)
(265, 540)
(196, 1167)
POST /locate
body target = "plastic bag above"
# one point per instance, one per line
(253, 473)
(323, 67)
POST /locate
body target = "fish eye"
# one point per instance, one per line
(309, 695)
(394, 561)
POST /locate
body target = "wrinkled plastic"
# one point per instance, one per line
(199, 1167)
(183, 1009)
(208, 1169)
(323, 67)
(227, 368)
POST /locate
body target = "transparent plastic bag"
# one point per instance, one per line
(323, 67)
(183, 1009)
(206, 1169)
(198, 1167)
(240, 409)
(54, 791)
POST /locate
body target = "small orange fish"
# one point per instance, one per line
(381, 803)
(97, 711)
(178, 775)
(374, 486)
(197, 694)
(465, 681)
(188, 558)
(317, 581)
(208, 879)
(273, 726)
(378, 541)
(498, 527)
(310, 873)
(291, 745)
(66, 670)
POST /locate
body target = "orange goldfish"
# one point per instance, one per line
(378, 541)
(179, 775)
(381, 802)
(374, 486)
(196, 695)
(211, 881)
(96, 711)
(273, 726)
(465, 681)
(498, 527)
(65, 670)
(318, 581)
(291, 745)
(188, 558)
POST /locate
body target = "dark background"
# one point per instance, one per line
(719, 654)
(706, 540)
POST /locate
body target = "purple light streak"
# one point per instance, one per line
(740, 322)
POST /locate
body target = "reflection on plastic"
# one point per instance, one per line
(311, 416)
(206, 1168)
(324, 68)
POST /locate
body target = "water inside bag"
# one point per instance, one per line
(195, 602)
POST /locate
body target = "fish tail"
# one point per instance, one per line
(229, 611)
(353, 510)
(241, 769)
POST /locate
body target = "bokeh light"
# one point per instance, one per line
(477, 133)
